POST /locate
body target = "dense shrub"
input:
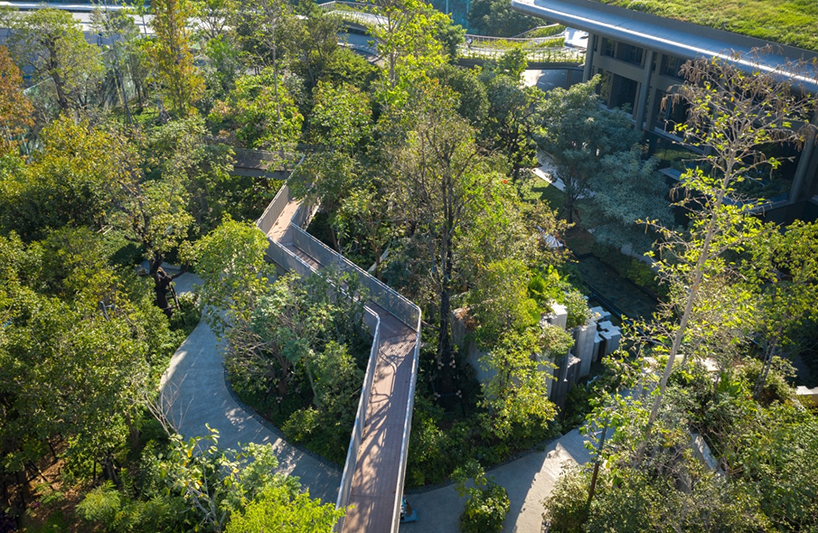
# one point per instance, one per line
(488, 502)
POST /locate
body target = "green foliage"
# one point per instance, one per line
(340, 116)
(578, 134)
(51, 43)
(515, 396)
(285, 337)
(63, 184)
(278, 509)
(626, 189)
(763, 452)
(262, 111)
(577, 307)
(630, 268)
(500, 302)
(58, 337)
(172, 57)
(488, 502)
(496, 17)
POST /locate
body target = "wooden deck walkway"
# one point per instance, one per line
(375, 481)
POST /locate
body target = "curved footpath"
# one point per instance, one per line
(195, 383)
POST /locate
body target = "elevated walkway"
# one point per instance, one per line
(372, 482)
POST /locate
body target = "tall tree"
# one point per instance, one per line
(577, 133)
(732, 115)
(407, 38)
(442, 182)
(172, 56)
(51, 43)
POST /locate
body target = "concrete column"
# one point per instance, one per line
(642, 103)
(589, 57)
(804, 162)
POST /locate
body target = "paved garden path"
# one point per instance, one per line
(195, 383)
(528, 481)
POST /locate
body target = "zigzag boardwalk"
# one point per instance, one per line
(373, 476)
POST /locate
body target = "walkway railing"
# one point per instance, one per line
(380, 293)
(357, 436)
(407, 431)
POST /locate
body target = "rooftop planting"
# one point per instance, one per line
(790, 22)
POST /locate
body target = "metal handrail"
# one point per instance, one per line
(280, 200)
(356, 438)
(407, 430)
(408, 317)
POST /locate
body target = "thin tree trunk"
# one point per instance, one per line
(698, 274)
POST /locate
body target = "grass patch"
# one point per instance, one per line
(544, 191)
(790, 22)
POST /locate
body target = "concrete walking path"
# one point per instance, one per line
(528, 481)
(195, 382)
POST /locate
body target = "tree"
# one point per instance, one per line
(785, 267)
(172, 56)
(516, 395)
(407, 38)
(512, 114)
(501, 303)
(341, 116)
(122, 55)
(51, 43)
(15, 108)
(314, 42)
(578, 134)
(626, 189)
(732, 114)
(62, 184)
(76, 349)
(488, 502)
(152, 211)
(443, 182)
(269, 19)
(217, 483)
(264, 113)
(473, 101)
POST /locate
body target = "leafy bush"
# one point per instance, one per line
(488, 502)
(577, 307)
(565, 509)
(301, 424)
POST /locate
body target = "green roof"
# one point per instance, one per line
(790, 22)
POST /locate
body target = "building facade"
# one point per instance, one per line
(638, 56)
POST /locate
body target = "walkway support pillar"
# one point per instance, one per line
(589, 57)
(807, 154)
(642, 103)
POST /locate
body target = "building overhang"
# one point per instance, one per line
(676, 38)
